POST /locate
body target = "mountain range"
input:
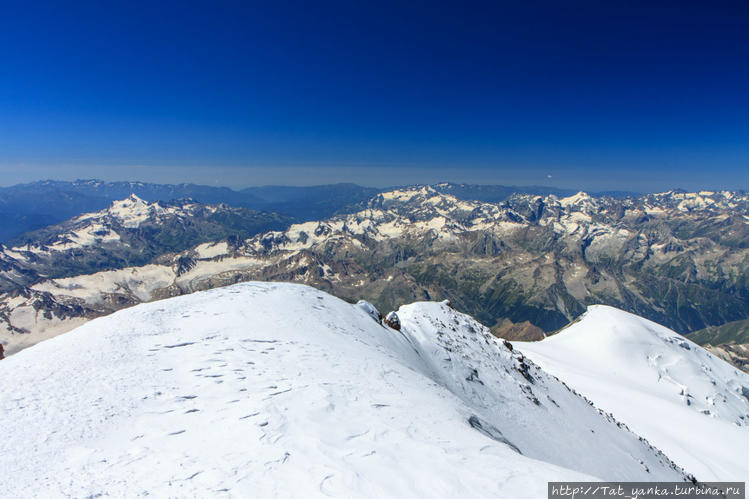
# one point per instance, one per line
(525, 267)
(27, 207)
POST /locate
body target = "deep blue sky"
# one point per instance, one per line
(596, 95)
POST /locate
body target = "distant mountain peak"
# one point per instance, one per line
(132, 211)
(578, 198)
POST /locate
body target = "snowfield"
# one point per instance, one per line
(684, 400)
(280, 390)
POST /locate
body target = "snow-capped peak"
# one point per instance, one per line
(132, 211)
(665, 387)
(577, 199)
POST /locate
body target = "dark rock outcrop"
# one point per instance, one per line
(393, 321)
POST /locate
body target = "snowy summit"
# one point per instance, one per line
(262, 390)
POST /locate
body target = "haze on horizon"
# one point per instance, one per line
(637, 96)
(239, 178)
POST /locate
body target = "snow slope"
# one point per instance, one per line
(687, 402)
(280, 390)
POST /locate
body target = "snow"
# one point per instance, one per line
(280, 390)
(212, 249)
(88, 235)
(703, 200)
(581, 198)
(206, 270)
(654, 210)
(101, 227)
(684, 400)
(405, 195)
(30, 319)
(420, 210)
(534, 411)
(370, 309)
(141, 282)
(133, 211)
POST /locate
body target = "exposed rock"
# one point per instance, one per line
(393, 321)
(184, 264)
(522, 367)
(521, 331)
(490, 431)
(738, 355)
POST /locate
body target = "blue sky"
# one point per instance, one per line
(595, 95)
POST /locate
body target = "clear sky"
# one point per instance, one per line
(595, 95)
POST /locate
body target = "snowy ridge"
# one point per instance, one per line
(533, 409)
(282, 390)
(686, 401)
